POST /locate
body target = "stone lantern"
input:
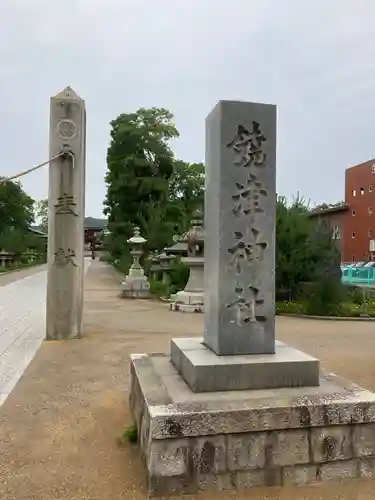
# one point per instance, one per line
(136, 285)
(191, 299)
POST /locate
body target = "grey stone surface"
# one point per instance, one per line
(364, 440)
(240, 204)
(331, 443)
(367, 467)
(204, 371)
(265, 438)
(66, 208)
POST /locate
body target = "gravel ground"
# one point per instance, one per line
(59, 427)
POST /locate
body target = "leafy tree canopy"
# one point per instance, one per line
(41, 214)
(305, 251)
(140, 164)
(146, 185)
(16, 207)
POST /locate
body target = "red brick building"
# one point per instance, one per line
(353, 221)
(334, 216)
(360, 220)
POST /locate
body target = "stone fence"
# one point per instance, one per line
(13, 259)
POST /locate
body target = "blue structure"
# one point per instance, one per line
(358, 276)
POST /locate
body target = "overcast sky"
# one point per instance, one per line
(315, 60)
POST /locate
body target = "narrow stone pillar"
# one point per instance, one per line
(66, 213)
(240, 214)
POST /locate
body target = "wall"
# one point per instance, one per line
(334, 218)
(360, 220)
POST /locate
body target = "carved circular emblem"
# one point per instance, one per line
(67, 129)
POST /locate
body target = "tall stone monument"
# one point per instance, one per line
(66, 213)
(236, 408)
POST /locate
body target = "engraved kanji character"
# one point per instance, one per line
(65, 205)
(246, 200)
(245, 308)
(244, 253)
(62, 258)
(248, 146)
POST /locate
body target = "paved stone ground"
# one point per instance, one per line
(22, 323)
(22, 302)
(7, 278)
(59, 426)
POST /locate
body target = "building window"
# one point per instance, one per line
(373, 168)
(336, 233)
(354, 193)
(353, 213)
(369, 233)
(353, 235)
(369, 210)
(353, 258)
(362, 191)
(370, 188)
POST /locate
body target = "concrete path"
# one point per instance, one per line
(22, 325)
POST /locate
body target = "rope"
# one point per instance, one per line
(6, 179)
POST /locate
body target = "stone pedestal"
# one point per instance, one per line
(135, 285)
(191, 299)
(241, 439)
(236, 409)
(204, 371)
(66, 213)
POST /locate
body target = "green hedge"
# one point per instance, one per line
(345, 309)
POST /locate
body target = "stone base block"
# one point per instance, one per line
(187, 308)
(235, 440)
(204, 371)
(190, 302)
(135, 288)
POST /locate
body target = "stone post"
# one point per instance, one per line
(240, 214)
(66, 212)
(239, 349)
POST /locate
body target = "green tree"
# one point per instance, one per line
(140, 165)
(41, 214)
(305, 251)
(186, 192)
(16, 207)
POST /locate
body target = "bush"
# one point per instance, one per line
(159, 288)
(326, 298)
(179, 275)
(123, 263)
(287, 307)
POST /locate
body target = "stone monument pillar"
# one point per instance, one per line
(135, 285)
(191, 299)
(236, 408)
(66, 213)
(240, 215)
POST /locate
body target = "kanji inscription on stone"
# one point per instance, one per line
(240, 201)
(246, 199)
(65, 205)
(245, 307)
(65, 257)
(246, 252)
(248, 146)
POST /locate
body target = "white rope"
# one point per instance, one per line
(6, 179)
